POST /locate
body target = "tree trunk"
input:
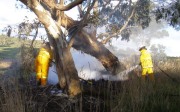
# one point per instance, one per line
(71, 73)
(65, 67)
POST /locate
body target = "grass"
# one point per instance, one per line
(9, 47)
(11, 50)
(104, 96)
(163, 96)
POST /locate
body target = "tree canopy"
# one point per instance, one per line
(170, 12)
(117, 16)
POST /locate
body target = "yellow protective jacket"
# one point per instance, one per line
(145, 59)
(42, 63)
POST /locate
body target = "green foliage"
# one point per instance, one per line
(114, 15)
(170, 13)
(142, 16)
(94, 19)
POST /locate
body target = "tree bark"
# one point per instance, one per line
(71, 73)
(67, 73)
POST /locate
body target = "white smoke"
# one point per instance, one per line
(88, 68)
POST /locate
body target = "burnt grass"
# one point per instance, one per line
(94, 98)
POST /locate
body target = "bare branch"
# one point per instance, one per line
(34, 37)
(80, 10)
(88, 11)
(69, 6)
(95, 8)
(103, 35)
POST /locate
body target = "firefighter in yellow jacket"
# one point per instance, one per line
(146, 63)
(42, 63)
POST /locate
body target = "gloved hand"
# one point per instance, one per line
(50, 64)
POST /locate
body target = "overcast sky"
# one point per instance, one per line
(10, 15)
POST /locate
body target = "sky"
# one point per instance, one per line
(10, 15)
(172, 42)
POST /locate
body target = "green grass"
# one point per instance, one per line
(10, 47)
(8, 53)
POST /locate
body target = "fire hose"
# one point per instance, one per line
(166, 74)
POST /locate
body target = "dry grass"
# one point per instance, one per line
(129, 96)
(104, 96)
(161, 96)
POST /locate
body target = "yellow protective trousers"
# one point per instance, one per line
(42, 62)
(148, 71)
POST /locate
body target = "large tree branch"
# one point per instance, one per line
(69, 6)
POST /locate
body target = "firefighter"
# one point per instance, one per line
(42, 63)
(146, 63)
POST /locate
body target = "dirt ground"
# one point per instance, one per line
(8, 64)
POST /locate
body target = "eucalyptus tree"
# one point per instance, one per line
(169, 10)
(8, 30)
(116, 16)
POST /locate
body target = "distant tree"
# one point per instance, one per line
(8, 30)
(26, 28)
(158, 52)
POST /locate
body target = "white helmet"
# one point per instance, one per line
(142, 47)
